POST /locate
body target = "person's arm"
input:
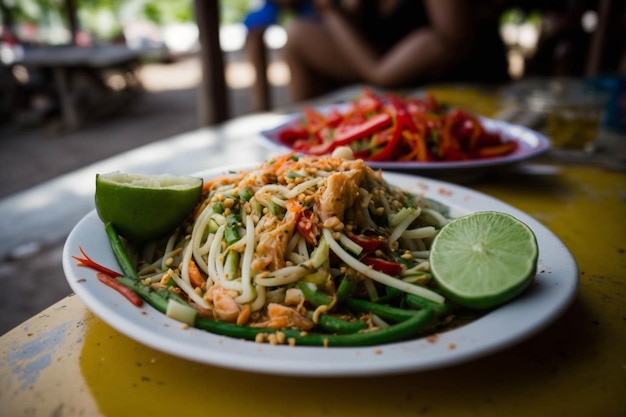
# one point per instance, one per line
(425, 53)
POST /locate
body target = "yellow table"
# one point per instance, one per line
(65, 361)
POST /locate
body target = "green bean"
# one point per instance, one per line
(314, 297)
(334, 325)
(392, 295)
(345, 288)
(345, 333)
(156, 299)
(420, 303)
(400, 331)
(382, 310)
(119, 251)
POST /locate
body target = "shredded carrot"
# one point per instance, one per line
(446, 140)
(412, 140)
(274, 167)
(217, 180)
(422, 155)
(497, 150)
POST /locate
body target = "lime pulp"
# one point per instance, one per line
(484, 259)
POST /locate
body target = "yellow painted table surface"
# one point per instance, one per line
(66, 362)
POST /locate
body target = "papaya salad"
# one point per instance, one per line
(390, 127)
(298, 250)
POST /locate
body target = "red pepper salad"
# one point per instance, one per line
(389, 127)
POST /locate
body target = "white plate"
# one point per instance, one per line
(530, 144)
(546, 299)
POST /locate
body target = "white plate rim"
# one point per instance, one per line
(530, 145)
(550, 295)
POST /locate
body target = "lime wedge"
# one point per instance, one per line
(484, 259)
(145, 207)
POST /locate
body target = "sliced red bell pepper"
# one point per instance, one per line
(368, 102)
(403, 120)
(368, 243)
(307, 227)
(314, 120)
(350, 133)
(334, 118)
(383, 265)
(291, 134)
(347, 133)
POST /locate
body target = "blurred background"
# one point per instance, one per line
(152, 89)
(543, 38)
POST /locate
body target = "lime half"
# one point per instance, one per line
(484, 259)
(145, 207)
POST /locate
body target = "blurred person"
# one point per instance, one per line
(256, 22)
(394, 44)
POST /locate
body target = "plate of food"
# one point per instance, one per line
(317, 266)
(415, 134)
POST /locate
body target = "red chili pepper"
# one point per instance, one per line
(349, 133)
(382, 265)
(122, 289)
(107, 276)
(367, 102)
(307, 227)
(368, 243)
(334, 118)
(88, 262)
